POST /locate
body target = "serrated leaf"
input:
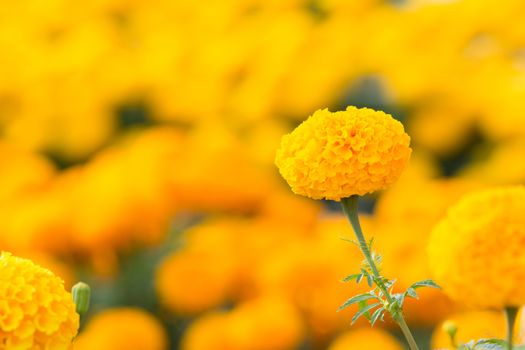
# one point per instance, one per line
(411, 292)
(375, 316)
(425, 283)
(363, 311)
(356, 299)
(351, 277)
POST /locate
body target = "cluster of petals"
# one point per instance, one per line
(334, 155)
(36, 312)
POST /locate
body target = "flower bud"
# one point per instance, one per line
(450, 328)
(81, 295)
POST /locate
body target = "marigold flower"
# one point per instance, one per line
(337, 155)
(476, 252)
(36, 312)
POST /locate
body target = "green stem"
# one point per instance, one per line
(510, 313)
(350, 208)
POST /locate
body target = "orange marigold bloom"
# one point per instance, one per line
(36, 312)
(476, 252)
(337, 155)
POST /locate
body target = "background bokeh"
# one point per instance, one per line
(137, 145)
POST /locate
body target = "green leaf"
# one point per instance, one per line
(353, 241)
(411, 292)
(359, 278)
(425, 283)
(363, 311)
(369, 280)
(362, 305)
(467, 346)
(490, 344)
(351, 277)
(375, 316)
(357, 299)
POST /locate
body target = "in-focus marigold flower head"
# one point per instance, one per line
(476, 253)
(337, 155)
(36, 312)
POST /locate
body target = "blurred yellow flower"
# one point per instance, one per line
(123, 329)
(208, 332)
(268, 322)
(192, 281)
(476, 252)
(366, 339)
(499, 167)
(35, 309)
(336, 155)
(23, 171)
(238, 184)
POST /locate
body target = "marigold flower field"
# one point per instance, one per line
(262, 175)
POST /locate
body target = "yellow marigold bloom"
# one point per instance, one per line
(336, 155)
(366, 339)
(123, 329)
(36, 312)
(476, 252)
